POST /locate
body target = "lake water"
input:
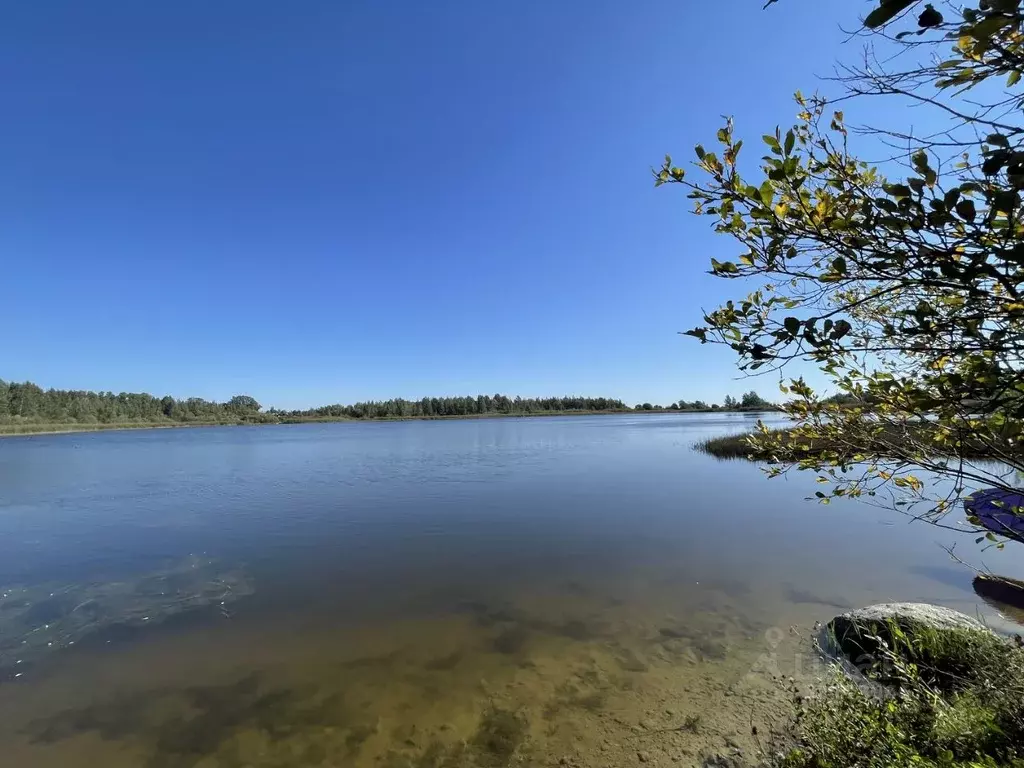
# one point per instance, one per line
(443, 593)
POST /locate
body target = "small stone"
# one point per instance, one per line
(643, 757)
(731, 742)
(720, 761)
(564, 760)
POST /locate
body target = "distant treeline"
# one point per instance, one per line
(751, 401)
(456, 406)
(29, 404)
(23, 406)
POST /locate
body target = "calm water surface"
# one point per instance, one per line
(482, 592)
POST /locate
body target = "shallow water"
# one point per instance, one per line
(482, 592)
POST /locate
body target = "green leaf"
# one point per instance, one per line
(965, 210)
(699, 149)
(885, 12)
(897, 190)
(790, 141)
(792, 325)
(1005, 201)
(990, 26)
(767, 191)
(1013, 79)
(993, 163)
(930, 17)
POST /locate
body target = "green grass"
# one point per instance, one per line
(737, 447)
(25, 428)
(30, 428)
(955, 700)
(524, 414)
(727, 447)
(46, 429)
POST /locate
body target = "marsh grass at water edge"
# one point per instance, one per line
(738, 446)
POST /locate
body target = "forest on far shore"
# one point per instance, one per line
(26, 404)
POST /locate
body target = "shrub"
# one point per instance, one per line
(954, 699)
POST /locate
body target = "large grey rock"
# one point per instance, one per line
(921, 614)
(852, 637)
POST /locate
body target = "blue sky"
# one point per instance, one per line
(335, 201)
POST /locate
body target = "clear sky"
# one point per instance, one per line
(333, 201)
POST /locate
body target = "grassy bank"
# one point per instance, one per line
(727, 447)
(331, 420)
(738, 447)
(14, 430)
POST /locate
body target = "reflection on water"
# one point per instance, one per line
(473, 593)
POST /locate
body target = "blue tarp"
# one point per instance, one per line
(999, 511)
